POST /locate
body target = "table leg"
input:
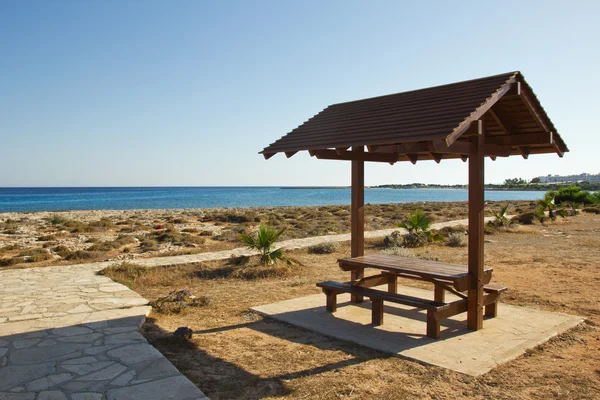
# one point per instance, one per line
(392, 283)
(356, 275)
(439, 294)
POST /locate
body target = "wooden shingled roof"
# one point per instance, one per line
(430, 124)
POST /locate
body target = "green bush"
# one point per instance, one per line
(575, 194)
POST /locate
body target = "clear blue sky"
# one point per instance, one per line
(96, 93)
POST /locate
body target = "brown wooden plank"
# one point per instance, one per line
(357, 216)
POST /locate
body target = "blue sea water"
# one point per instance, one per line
(127, 198)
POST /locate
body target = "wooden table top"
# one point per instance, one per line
(423, 269)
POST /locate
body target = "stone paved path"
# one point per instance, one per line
(67, 333)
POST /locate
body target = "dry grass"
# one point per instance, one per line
(235, 354)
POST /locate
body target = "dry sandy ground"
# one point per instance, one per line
(235, 354)
(71, 237)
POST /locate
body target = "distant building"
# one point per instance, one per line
(569, 178)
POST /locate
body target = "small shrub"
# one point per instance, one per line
(80, 255)
(35, 255)
(7, 262)
(183, 332)
(126, 273)
(412, 240)
(61, 250)
(393, 240)
(190, 230)
(178, 301)
(592, 210)
(46, 238)
(147, 244)
(191, 240)
(398, 251)
(56, 219)
(323, 248)
(456, 239)
(526, 218)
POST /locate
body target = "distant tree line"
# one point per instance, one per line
(509, 184)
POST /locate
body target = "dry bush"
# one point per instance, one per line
(80, 255)
(34, 255)
(323, 248)
(398, 251)
(178, 301)
(456, 239)
(126, 273)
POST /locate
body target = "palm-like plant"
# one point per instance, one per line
(263, 242)
(418, 223)
(547, 204)
(500, 217)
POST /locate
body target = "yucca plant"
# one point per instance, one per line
(547, 204)
(418, 223)
(263, 241)
(500, 217)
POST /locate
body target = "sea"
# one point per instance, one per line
(128, 198)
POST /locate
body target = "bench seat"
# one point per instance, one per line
(434, 308)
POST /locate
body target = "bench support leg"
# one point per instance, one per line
(491, 310)
(392, 284)
(377, 311)
(439, 294)
(331, 301)
(433, 325)
(356, 275)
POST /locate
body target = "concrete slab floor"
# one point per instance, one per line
(503, 338)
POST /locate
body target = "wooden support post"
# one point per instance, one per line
(392, 283)
(433, 325)
(357, 217)
(491, 310)
(331, 300)
(377, 311)
(439, 294)
(476, 229)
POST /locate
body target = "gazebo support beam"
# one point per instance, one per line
(476, 231)
(357, 216)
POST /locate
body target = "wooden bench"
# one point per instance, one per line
(491, 299)
(434, 309)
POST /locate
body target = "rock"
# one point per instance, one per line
(135, 353)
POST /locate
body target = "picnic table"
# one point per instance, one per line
(453, 278)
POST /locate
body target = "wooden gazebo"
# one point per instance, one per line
(496, 116)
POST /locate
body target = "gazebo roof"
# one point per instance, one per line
(430, 124)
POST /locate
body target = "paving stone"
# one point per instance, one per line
(40, 354)
(3, 351)
(17, 396)
(135, 353)
(124, 379)
(52, 395)
(99, 349)
(23, 344)
(124, 338)
(172, 388)
(16, 375)
(24, 317)
(47, 382)
(159, 368)
(72, 331)
(47, 342)
(4, 343)
(80, 309)
(109, 372)
(86, 396)
(87, 338)
(81, 360)
(83, 369)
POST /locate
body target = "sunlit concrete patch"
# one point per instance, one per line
(503, 338)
